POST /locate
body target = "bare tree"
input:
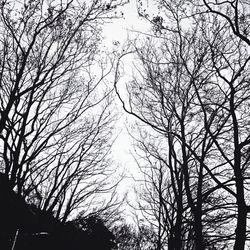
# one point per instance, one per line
(230, 57)
(161, 196)
(184, 81)
(128, 236)
(56, 109)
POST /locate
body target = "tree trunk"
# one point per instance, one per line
(240, 231)
(178, 224)
(199, 243)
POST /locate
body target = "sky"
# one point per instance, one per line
(118, 31)
(121, 28)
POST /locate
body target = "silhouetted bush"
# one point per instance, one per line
(39, 230)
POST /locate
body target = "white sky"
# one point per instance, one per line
(119, 31)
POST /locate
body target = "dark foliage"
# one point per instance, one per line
(37, 229)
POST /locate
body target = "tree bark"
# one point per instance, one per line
(240, 231)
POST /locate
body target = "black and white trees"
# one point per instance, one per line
(56, 109)
(192, 88)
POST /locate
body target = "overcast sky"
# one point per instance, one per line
(118, 31)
